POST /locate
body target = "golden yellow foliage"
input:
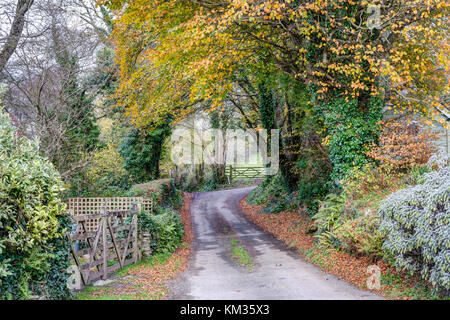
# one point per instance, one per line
(176, 54)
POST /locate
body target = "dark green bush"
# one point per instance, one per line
(314, 182)
(57, 275)
(171, 196)
(274, 194)
(351, 130)
(210, 184)
(162, 191)
(271, 187)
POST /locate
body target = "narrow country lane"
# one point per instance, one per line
(277, 273)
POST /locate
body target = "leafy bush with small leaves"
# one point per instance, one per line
(350, 131)
(165, 227)
(440, 159)
(416, 222)
(274, 194)
(33, 221)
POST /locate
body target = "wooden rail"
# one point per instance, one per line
(113, 245)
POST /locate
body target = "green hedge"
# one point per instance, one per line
(33, 220)
(165, 227)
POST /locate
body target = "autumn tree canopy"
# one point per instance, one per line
(174, 54)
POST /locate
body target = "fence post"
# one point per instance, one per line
(231, 173)
(135, 236)
(139, 207)
(105, 247)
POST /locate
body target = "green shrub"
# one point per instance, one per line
(259, 194)
(171, 196)
(33, 221)
(314, 170)
(416, 221)
(186, 181)
(210, 184)
(273, 193)
(162, 191)
(165, 227)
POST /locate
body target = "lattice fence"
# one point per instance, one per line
(92, 206)
(147, 205)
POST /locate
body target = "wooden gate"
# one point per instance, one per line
(112, 246)
(245, 172)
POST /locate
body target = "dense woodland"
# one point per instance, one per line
(91, 92)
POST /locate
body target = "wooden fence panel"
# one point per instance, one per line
(147, 205)
(92, 206)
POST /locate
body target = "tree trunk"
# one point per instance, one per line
(12, 40)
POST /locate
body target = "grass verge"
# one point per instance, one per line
(240, 254)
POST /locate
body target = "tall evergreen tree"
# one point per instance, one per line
(142, 150)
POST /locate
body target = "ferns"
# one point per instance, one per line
(330, 212)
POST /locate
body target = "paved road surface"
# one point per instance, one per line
(278, 272)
